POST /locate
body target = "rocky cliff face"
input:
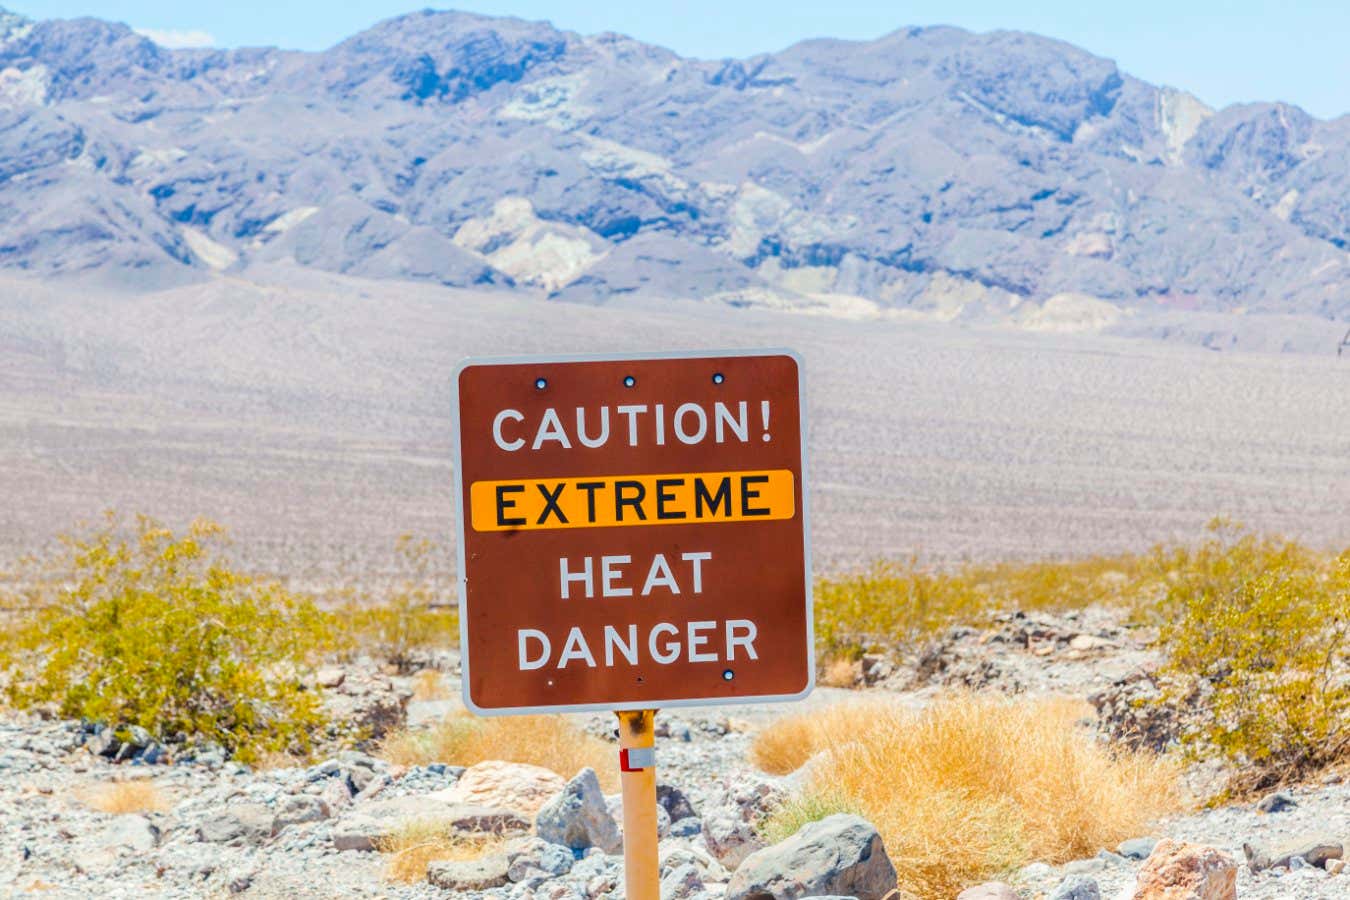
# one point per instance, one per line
(932, 172)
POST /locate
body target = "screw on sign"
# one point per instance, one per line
(633, 535)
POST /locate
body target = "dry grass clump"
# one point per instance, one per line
(969, 787)
(552, 742)
(416, 844)
(118, 797)
(429, 684)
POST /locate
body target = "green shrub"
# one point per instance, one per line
(1256, 629)
(413, 617)
(156, 630)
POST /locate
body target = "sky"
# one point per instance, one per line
(1223, 52)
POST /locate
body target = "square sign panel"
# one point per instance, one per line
(633, 532)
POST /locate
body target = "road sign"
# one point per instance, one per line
(633, 531)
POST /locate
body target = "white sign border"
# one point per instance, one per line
(649, 703)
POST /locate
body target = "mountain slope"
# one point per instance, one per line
(931, 172)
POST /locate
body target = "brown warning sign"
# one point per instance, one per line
(633, 531)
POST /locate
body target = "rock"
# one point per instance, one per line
(130, 832)
(426, 712)
(1276, 802)
(241, 824)
(840, 854)
(532, 857)
(240, 880)
(674, 802)
(1077, 887)
(681, 882)
(515, 786)
(104, 743)
(330, 677)
(298, 809)
(1034, 871)
(1316, 850)
(730, 838)
(471, 875)
(370, 823)
(709, 869)
(1137, 848)
(1334, 866)
(1084, 866)
(336, 794)
(993, 890)
(686, 827)
(578, 817)
(1180, 871)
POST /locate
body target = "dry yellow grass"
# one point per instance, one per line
(119, 797)
(413, 846)
(549, 741)
(969, 787)
(429, 684)
(840, 672)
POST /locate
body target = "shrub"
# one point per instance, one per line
(902, 602)
(118, 797)
(413, 617)
(155, 630)
(552, 742)
(969, 787)
(1258, 628)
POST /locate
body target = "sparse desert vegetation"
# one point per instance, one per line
(419, 842)
(121, 797)
(969, 787)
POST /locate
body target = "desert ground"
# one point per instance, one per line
(313, 420)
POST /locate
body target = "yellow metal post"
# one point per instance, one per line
(637, 732)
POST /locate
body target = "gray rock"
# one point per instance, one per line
(729, 837)
(681, 882)
(993, 890)
(1316, 850)
(1279, 801)
(130, 832)
(579, 817)
(533, 857)
(674, 802)
(689, 826)
(1137, 848)
(1077, 887)
(840, 854)
(241, 824)
(369, 823)
(1084, 866)
(299, 809)
(472, 875)
(988, 891)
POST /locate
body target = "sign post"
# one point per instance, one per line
(633, 536)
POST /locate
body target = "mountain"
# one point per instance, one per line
(932, 173)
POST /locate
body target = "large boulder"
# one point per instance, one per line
(519, 787)
(841, 854)
(578, 817)
(1176, 870)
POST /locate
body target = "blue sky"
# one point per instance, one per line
(1224, 52)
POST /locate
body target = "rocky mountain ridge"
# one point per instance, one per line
(933, 172)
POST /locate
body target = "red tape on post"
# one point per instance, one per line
(635, 759)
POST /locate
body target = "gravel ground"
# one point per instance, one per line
(53, 844)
